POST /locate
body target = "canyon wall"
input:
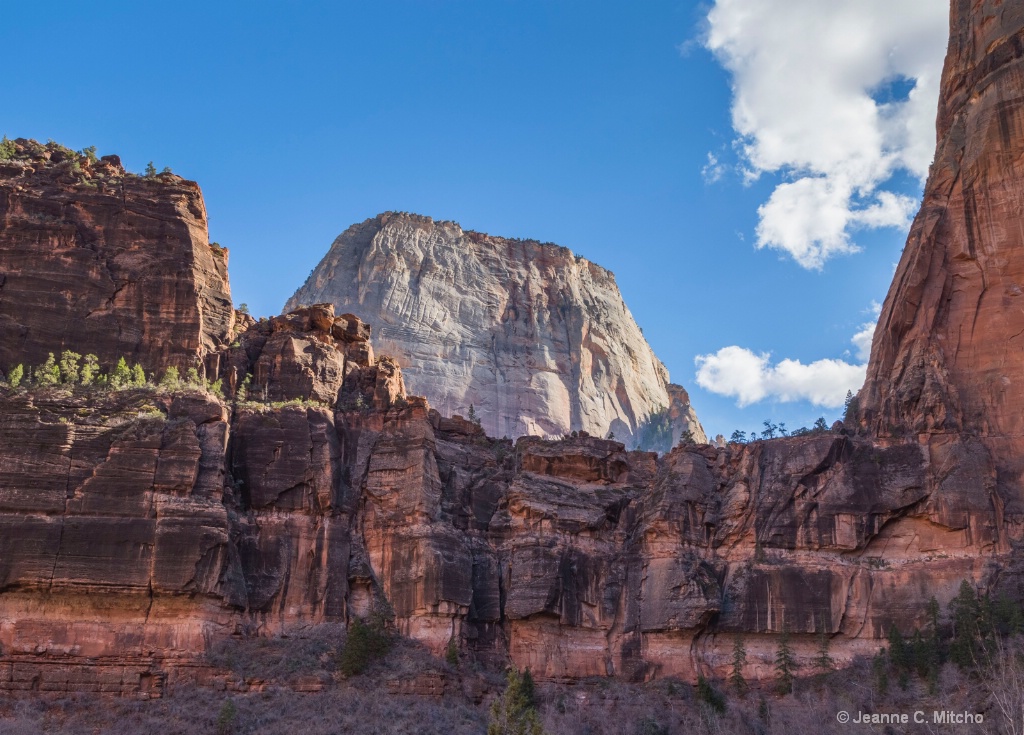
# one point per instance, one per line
(948, 351)
(141, 526)
(536, 339)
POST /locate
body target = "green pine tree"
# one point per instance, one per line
(90, 369)
(515, 711)
(710, 696)
(122, 375)
(192, 377)
(69, 369)
(965, 612)
(367, 641)
(785, 665)
(171, 379)
(739, 660)
(924, 657)
(880, 668)
(900, 656)
(138, 378)
(7, 149)
(48, 373)
(17, 373)
(227, 718)
(243, 389)
(823, 662)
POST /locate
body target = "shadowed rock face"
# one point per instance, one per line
(96, 260)
(173, 522)
(537, 339)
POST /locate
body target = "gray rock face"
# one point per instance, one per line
(536, 339)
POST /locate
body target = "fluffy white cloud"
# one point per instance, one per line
(862, 340)
(807, 77)
(749, 377)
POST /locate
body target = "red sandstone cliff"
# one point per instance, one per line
(948, 352)
(97, 260)
(138, 527)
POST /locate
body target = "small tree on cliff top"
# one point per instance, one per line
(122, 375)
(48, 373)
(90, 369)
(69, 369)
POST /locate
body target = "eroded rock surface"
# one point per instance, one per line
(536, 339)
(97, 260)
(175, 522)
(948, 352)
(137, 527)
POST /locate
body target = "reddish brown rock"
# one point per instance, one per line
(586, 459)
(137, 527)
(97, 260)
(575, 557)
(948, 352)
(310, 354)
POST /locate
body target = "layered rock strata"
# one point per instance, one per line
(97, 260)
(139, 527)
(948, 352)
(536, 339)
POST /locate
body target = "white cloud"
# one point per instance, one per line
(862, 340)
(803, 74)
(713, 170)
(749, 377)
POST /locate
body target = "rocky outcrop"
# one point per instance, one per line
(948, 352)
(97, 260)
(537, 340)
(307, 354)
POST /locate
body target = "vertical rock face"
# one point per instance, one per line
(97, 260)
(536, 339)
(948, 352)
(139, 526)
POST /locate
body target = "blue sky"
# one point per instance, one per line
(588, 124)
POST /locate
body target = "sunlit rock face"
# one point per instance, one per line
(536, 339)
(97, 260)
(948, 353)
